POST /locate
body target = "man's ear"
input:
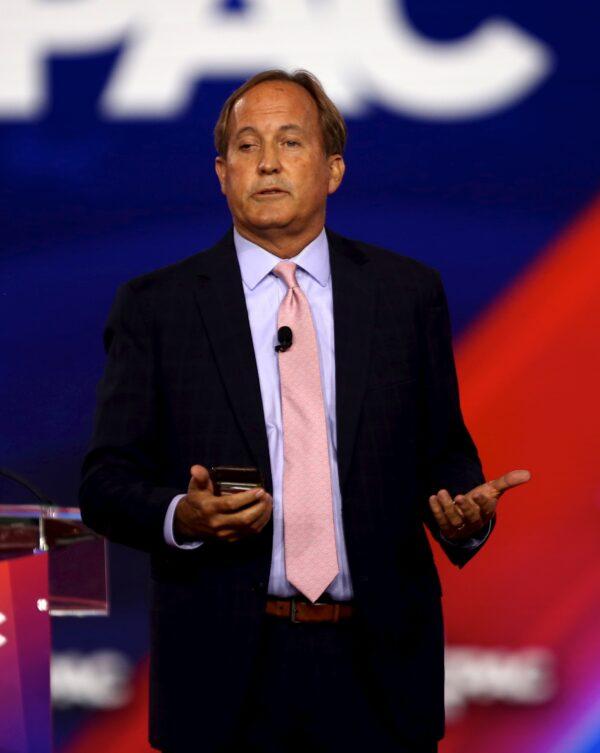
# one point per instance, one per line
(221, 170)
(337, 168)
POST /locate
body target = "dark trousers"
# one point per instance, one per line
(311, 691)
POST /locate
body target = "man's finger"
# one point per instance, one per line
(242, 529)
(469, 508)
(485, 502)
(231, 503)
(510, 479)
(253, 517)
(246, 517)
(438, 513)
(449, 530)
(453, 513)
(262, 521)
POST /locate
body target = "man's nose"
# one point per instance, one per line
(269, 162)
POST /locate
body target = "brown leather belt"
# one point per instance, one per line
(298, 610)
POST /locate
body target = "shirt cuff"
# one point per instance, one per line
(168, 531)
(474, 541)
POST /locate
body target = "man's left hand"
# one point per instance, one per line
(465, 515)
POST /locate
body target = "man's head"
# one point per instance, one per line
(280, 141)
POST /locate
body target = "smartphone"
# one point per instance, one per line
(230, 479)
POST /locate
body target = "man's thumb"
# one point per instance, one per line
(511, 479)
(200, 478)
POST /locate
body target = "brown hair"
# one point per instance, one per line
(333, 126)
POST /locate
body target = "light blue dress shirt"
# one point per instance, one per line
(264, 292)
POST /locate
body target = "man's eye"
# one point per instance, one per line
(246, 147)
(292, 142)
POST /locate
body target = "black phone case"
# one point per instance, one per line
(230, 479)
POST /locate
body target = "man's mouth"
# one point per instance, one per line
(270, 192)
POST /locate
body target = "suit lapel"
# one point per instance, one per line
(353, 318)
(220, 297)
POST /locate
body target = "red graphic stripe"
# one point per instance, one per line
(530, 376)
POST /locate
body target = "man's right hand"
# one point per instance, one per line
(201, 515)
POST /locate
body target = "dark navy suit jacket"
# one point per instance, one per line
(181, 387)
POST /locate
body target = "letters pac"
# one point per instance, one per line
(375, 55)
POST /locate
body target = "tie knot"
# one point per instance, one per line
(286, 271)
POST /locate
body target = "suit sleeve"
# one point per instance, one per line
(121, 495)
(452, 459)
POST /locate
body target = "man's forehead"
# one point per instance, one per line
(274, 98)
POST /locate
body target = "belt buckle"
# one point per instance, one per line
(293, 611)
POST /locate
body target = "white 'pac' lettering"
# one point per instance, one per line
(33, 29)
(363, 52)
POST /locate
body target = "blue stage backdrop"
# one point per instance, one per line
(473, 147)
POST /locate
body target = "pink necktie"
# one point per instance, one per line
(309, 537)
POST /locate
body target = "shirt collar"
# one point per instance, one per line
(256, 262)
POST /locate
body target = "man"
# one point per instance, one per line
(305, 615)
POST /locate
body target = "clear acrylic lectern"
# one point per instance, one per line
(51, 564)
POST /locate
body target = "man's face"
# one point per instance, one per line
(276, 175)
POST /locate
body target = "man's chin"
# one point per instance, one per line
(269, 221)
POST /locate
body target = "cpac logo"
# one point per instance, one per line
(2, 637)
(364, 52)
(487, 675)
